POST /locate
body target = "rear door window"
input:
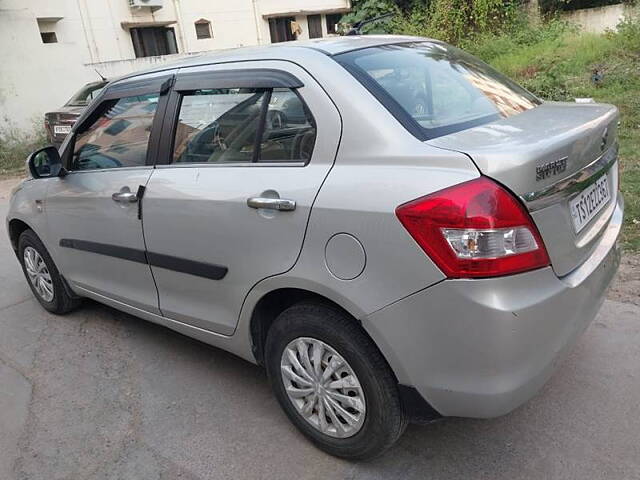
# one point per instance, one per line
(218, 125)
(241, 125)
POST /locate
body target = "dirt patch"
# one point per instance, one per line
(626, 287)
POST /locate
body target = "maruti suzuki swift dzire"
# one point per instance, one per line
(395, 230)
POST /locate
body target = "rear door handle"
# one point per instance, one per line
(280, 204)
(125, 196)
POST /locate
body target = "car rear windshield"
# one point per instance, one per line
(86, 95)
(435, 89)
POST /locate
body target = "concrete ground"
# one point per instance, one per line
(99, 394)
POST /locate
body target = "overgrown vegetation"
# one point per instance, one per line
(15, 145)
(455, 21)
(449, 20)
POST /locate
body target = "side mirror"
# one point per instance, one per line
(45, 163)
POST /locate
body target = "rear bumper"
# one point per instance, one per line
(480, 348)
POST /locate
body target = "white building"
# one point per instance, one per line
(50, 48)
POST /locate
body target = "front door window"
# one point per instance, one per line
(119, 137)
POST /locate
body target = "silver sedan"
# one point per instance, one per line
(395, 230)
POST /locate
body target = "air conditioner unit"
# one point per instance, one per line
(146, 3)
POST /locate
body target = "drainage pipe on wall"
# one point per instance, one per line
(256, 17)
(183, 36)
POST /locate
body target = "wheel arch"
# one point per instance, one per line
(274, 302)
(16, 227)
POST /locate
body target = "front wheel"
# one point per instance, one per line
(42, 275)
(332, 382)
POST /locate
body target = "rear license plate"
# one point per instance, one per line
(589, 202)
(61, 129)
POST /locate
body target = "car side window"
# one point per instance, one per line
(218, 125)
(119, 137)
(243, 125)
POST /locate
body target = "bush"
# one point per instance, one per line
(455, 21)
(367, 9)
(448, 20)
(628, 33)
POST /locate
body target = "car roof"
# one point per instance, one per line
(340, 44)
(294, 50)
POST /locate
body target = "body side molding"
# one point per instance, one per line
(191, 267)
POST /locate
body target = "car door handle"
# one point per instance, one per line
(125, 196)
(280, 204)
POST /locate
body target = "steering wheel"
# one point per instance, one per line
(303, 146)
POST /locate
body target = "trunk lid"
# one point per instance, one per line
(549, 156)
(64, 117)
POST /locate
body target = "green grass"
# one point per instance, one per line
(556, 63)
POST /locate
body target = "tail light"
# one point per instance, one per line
(475, 229)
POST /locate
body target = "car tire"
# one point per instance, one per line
(380, 417)
(32, 254)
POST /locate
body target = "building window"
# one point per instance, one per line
(314, 23)
(203, 29)
(47, 27)
(152, 41)
(332, 22)
(280, 29)
(49, 37)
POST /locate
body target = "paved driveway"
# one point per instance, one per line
(101, 394)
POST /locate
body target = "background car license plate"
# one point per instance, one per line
(61, 129)
(589, 202)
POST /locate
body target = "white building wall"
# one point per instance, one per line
(232, 22)
(598, 19)
(35, 76)
(93, 34)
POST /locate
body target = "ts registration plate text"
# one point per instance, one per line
(589, 202)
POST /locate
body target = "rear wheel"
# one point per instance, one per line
(332, 382)
(42, 275)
